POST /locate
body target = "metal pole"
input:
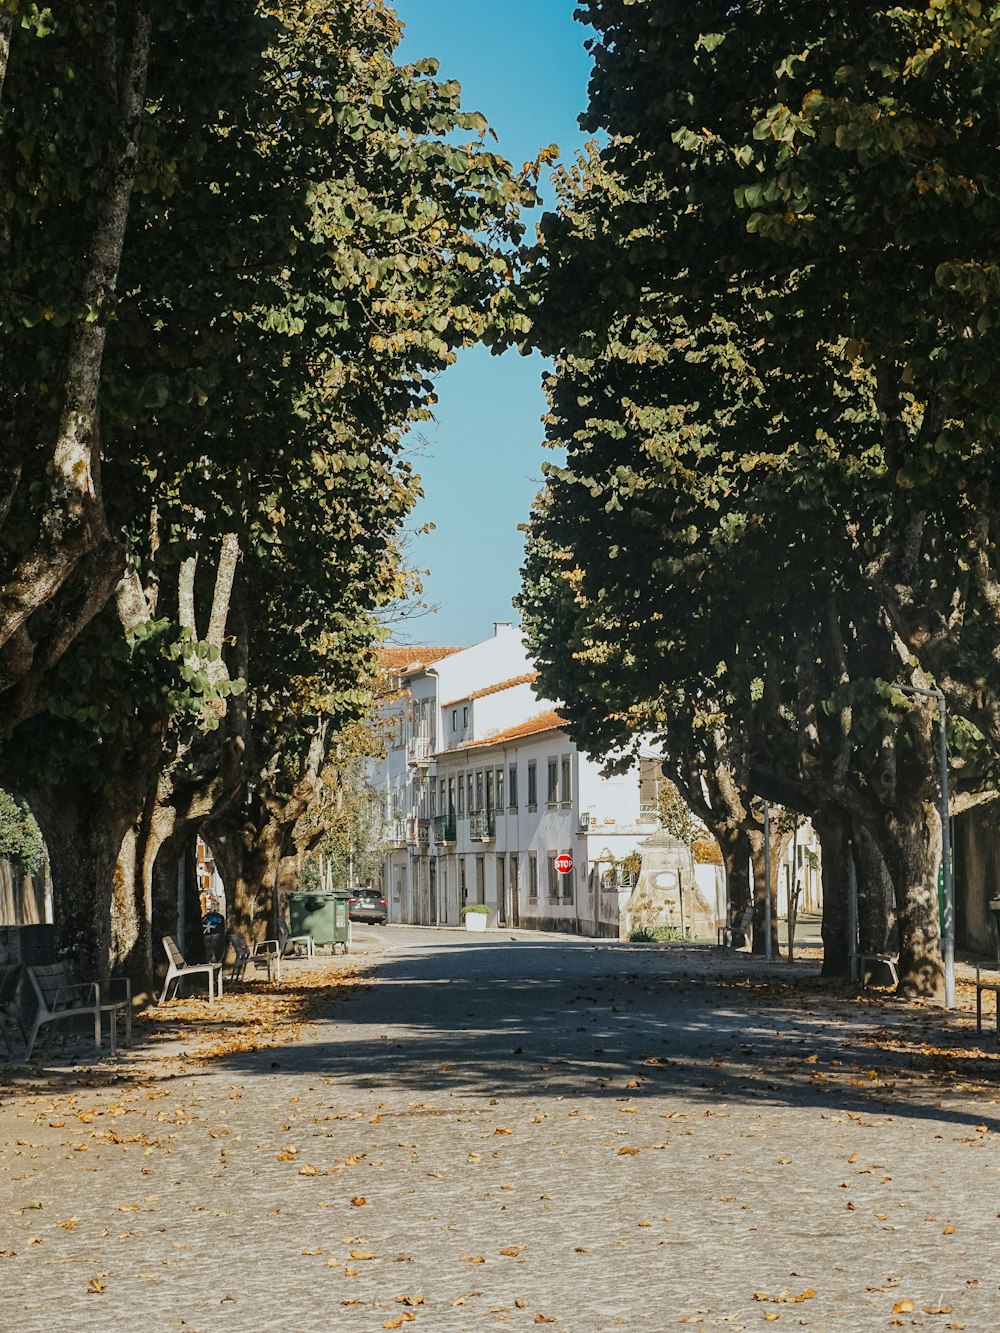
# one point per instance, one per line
(948, 931)
(853, 970)
(767, 880)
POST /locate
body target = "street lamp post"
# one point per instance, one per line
(948, 924)
(767, 880)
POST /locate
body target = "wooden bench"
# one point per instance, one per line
(179, 968)
(61, 996)
(993, 984)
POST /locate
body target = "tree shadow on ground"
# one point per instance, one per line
(588, 1022)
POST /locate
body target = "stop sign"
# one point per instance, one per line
(564, 863)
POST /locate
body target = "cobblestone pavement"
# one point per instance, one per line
(517, 1132)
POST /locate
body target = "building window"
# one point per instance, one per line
(468, 792)
(515, 884)
(480, 879)
(566, 789)
(465, 718)
(512, 787)
(479, 790)
(490, 797)
(454, 719)
(553, 877)
(499, 781)
(463, 887)
(552, 796)
(461, 794)
(567, 885)
(532, 877)
(532, 785)
(451, 798)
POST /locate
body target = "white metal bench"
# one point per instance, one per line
(60, 996)
(264, 956)
(180, 968)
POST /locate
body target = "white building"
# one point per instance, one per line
(485, 793)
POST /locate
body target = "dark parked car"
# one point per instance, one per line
(367, 905)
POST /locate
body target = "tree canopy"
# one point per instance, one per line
(768, 296)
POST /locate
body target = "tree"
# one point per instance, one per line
(774, 404)
(346, 246)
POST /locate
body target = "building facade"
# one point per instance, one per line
(489, 802)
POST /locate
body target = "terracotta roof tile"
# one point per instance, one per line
(526, 679)
(408, 658)
(534, 726)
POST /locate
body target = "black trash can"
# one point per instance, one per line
(213, 929)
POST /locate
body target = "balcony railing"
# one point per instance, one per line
(396, 832)
(482, 825)
(444, 828)
(419, 750)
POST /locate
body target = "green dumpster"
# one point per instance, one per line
(321, 914)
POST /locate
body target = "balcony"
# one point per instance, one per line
(419, 750)
(396, 833)
(482, 825)
(445, 828)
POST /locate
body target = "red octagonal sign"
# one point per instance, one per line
(564, 863)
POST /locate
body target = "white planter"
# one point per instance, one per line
(475, 921)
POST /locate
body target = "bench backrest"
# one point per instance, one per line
(240, 946)
(49, 979)
(173, 952)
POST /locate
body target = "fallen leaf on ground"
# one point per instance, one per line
(358, 1201)
(473, 1258)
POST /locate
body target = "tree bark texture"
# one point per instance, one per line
(734, 843)
(73, 523)
(832, 829)
(912, 849)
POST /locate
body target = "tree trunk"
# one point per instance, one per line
(735, 847)
(249, 871)
(912, 847)
(876, 900)
(831, 827)
(84, 832)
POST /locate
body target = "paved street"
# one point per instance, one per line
(522, 1131)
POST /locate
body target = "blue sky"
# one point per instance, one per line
(523, 65)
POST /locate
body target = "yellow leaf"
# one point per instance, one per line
(361, 1255)
(473, 1258)
(358, 1201)
(627, 1151)
(503, 1131)
(308, 1170)
(410, 1300)
(903, 1307)
(512, 1250)
(95, 1286)
(544, 1319)
(948, 1231)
